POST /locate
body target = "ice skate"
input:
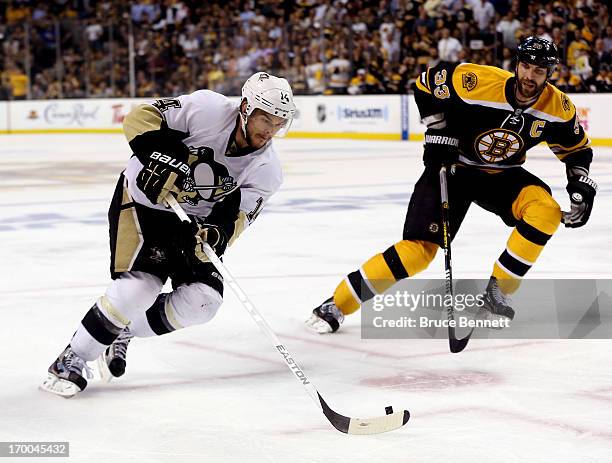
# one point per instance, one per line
(496, 303)
(326, 318)
(112, 362)
(65, 375)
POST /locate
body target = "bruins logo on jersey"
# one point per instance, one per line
(498, 145)
(565, 102)
(469, 81)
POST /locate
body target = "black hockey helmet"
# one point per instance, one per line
(538, 51)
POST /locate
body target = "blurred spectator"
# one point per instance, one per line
(449, 47)
(483, 13)
(190, 43)
(16, 12)
(328, 46)
(338, 70)
(314, 75)
(543, 33)
(507, 62)
(144, 11)
(365, 82)
(508, 27)
(601, 57)
(40, 12)
(568, 82)
(94, 32)
(582, 68)
(603, 80)
(608, 39)
(15, 81)
(577, 45)
(172, 15)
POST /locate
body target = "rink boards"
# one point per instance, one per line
(363, 117)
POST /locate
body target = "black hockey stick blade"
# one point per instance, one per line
(362, 426)
(342, 423)
(457, 345)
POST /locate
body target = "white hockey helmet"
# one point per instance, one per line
(270, 94)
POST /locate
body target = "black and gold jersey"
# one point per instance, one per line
(476, 104)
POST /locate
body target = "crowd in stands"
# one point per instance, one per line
(81, 48)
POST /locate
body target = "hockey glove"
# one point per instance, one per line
(440, 149)
(213, 235)
(162, 173)
(193, 235)
(582, 191)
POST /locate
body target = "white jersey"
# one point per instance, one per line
(218, 169)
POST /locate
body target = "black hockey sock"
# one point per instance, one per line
(99, 327)
(156, 316)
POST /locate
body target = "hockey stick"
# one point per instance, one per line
(390, 421)
(455, 345)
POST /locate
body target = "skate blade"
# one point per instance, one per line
(318, 325)
(105, 374)
(59, 386)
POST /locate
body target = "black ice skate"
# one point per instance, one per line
(326, 318)
(112, 362)
(496, 303)
(65, 376)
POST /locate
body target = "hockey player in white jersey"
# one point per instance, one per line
(217, 158)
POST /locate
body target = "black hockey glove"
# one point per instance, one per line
(440, 149)
(163, 173)
(213, 235)
(582, 191)
(193, 235)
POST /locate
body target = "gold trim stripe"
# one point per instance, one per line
(581, 144)
(111, 310)
(143, 118)
(239, 226)
(422, 87)
(171, 315)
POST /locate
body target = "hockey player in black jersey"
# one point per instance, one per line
(482, 120)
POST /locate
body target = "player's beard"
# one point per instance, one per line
(249, 140)
(529, 92)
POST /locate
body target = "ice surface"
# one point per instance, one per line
(219, 392)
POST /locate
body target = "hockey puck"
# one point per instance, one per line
(389, 410)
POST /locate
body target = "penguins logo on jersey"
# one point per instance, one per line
(211, 180)
(497, 145)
